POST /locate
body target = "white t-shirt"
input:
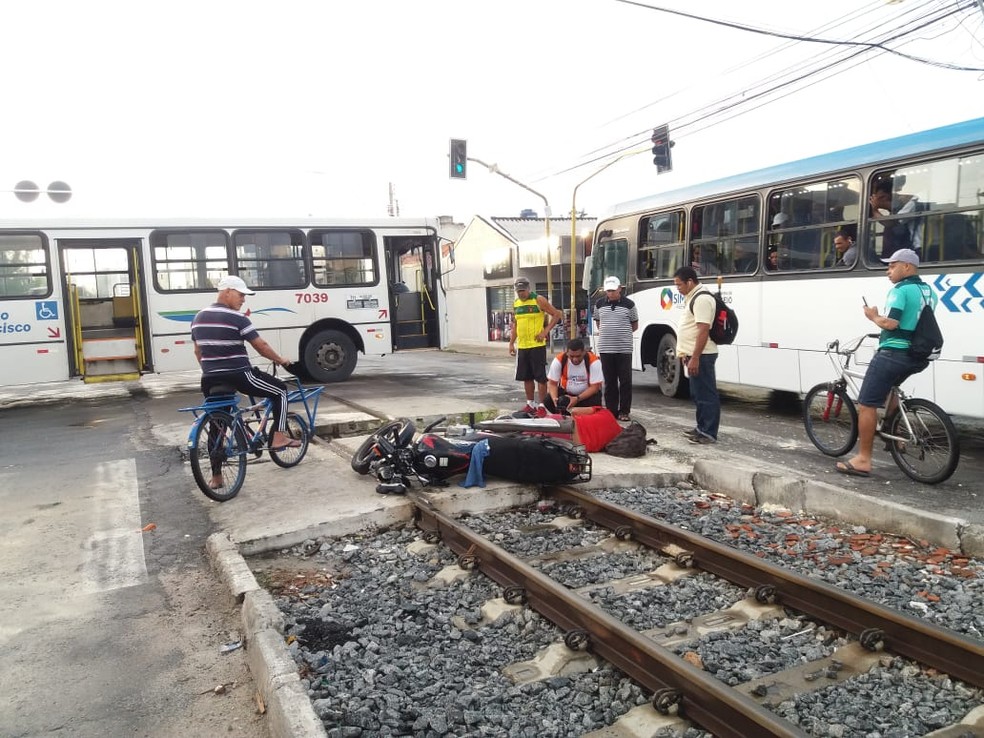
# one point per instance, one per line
(577, 375)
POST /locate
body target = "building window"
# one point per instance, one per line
(499, 301)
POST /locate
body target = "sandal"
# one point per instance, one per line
(293, 443)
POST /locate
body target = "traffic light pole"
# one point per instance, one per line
(494, 169)
(574, 231)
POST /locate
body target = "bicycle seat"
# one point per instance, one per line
(218, 390)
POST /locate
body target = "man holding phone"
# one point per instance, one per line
(892, 363)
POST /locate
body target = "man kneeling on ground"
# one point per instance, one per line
(574, 379)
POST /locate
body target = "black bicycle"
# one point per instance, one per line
(225, 433)
(918, 433)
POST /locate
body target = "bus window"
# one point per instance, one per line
(189, 260)
(343, 258)
(804, 219)
(23, 266)
(933, 208)
(725, 237)
(270, 259)
(661, 249)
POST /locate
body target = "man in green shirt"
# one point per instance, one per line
(892, 364)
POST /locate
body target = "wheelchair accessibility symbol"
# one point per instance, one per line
(46, 310)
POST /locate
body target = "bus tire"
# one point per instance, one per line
(669, 370)
(330, 356)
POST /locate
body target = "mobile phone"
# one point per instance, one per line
(864, 301)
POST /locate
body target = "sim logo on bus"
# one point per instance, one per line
(668, 298)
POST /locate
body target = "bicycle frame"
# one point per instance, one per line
(308, 397)
(849, 379)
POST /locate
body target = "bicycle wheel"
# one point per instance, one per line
(218, 449)
(296, 428)
(931, 454)
(831, 419)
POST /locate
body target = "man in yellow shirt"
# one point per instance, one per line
(530, 336)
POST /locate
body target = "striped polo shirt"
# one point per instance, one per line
(615, 321)
(220, 333)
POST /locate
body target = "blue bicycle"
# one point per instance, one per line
(225, 433)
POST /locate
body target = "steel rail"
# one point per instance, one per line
(703, 699)
(926, 643)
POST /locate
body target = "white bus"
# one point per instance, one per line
(109, 301)
(769, 236)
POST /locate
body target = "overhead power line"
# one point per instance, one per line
(767, 90)
(808, 39)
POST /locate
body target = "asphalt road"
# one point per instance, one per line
(106, 628)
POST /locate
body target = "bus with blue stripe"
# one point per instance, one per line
(773, 240)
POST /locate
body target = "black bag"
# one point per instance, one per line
(724, 327)
(531, 459)
(927, 339)
(630, 443)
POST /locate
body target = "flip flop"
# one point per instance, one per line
(845, 467)
(293, 443)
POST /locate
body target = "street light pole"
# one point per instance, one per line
(494, 169)
(574, 228)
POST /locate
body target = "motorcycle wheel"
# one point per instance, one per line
(367, 453)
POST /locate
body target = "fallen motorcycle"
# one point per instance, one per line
(522, 452)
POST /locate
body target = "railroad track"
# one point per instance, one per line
(679, 687)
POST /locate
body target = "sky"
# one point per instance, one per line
(231, 109)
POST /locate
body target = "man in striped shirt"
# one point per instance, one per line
(220, 332)
(617, 318)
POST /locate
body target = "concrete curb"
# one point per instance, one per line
(819, 498)
(289, 710)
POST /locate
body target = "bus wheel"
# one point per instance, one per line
(669, 370)
(330, 356)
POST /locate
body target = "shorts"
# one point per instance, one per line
(887, 369)
(531, 363)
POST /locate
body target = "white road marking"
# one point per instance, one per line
(113, 555)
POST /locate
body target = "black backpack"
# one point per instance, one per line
(724, 327)
(631, 442)
(927, 339)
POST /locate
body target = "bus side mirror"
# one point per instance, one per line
(586, 274)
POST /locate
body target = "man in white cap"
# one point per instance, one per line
(617, 318)
(219, 332)
(892, 363)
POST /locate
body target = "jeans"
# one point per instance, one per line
(617, 369)
(703, 390)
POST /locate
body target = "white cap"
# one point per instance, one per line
(612, 283)
(233, 282)
(907, 256)
(780, 219)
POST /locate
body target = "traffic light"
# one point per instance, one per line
(459, 159)
(661, 149)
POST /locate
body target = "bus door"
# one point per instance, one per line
(411, 268)
(105, 308)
